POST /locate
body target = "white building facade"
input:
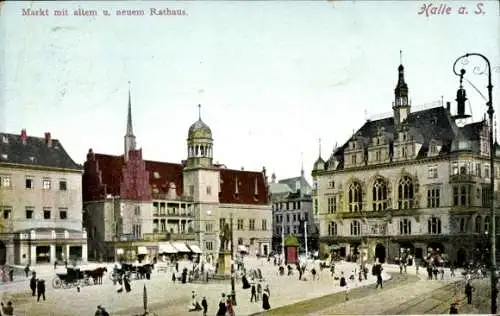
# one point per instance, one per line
(40, 200)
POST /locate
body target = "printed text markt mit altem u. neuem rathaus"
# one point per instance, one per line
(83, 12)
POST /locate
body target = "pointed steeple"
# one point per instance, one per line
(129, 139)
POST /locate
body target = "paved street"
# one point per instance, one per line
(168, 299)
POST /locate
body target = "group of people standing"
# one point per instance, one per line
(37, 287)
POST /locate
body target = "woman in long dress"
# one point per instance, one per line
(265, 299)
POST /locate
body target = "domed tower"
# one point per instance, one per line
(199, 144)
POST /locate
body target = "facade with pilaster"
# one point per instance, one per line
(40, 202)
(134, 205)
(415, 182)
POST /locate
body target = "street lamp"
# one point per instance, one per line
(490, 112)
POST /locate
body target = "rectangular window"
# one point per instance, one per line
(478, 169)
(46, 184)
(222, 223)
(209, 245)
(7, 212)
(137, 210)
(486, 197)
(63, 185)
(163, 225)
(191, 190)
(209, 227)
(264, 224)
(353, 159)
(433, 172)
(331, 184)
(454, 168)
(29, 212)
(404, 152)
(332, 204)
(28, 183)
(209, 190)
(378, 155)
(251, 224)
(298, 205)
(461, 195)
(5, 181)
(316, 206)
(486, 171)
(46, 213)
(433, 197)
(294, 217)
(240, 224)
(63, 213)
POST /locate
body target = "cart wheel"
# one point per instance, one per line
(56, 283)
(66, 284)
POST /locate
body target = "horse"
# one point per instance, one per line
(97, 274)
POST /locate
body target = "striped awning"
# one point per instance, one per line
(181, 247)
(166, 247)
(195, 248)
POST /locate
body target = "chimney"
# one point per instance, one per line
(24, 136)
(242, 169)
(48, 140)
(448, 106)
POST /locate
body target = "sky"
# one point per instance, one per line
(272, 77)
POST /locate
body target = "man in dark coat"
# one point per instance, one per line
(40, 287)
(204, 304)
(453, 309)
(33, 285)
(468, 292)
(222, 306)
(126, 283)
(253, 294)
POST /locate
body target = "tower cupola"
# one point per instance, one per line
(199, 144)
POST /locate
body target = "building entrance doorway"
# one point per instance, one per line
(461, 257)
(380, 253)
(3, 253)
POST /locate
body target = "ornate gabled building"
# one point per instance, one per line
(292, 211)
(137, 207)
(416, 181)
(40, 201)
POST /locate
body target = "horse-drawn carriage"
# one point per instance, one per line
(78, 277)
(132, 271)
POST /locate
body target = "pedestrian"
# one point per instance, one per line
(265, 299)
(453, 308)
(468, 292)
(126, 283)
(452, 271)
(11, 275)
(222, 306)
(33, 283)
(173, 276)
(441, 271)
(378, 273)
(343, 282)
(313, 271)
(204, 304)
(229, 306)
(9, 309)
(27, 270)
(40, 289)
(55, 264)
(253, 294)
(332, 268)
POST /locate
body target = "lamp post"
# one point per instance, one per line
(233, 287)
(492, 234)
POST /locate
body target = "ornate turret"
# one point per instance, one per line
(199, 144)
(401, 106)
(319, 164)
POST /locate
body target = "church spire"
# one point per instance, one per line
(129, 139)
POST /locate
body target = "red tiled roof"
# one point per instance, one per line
(111, 175)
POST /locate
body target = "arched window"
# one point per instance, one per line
(434, 226)
(463, 225)
(355, 197)
(405, 193)
(332, 229)
(478, 224)
(379, 195)
(487, 224)
(405, 227)
(355, 228)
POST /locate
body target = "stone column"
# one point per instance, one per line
(84, 252)
(66, 253)
(53, 253)
(33, 254)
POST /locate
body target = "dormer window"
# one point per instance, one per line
(5, 140)
(353, 145)
(156, 175)
(378, 155)
(331, 184)
(353, 159)
(404, 152)
(434, 149)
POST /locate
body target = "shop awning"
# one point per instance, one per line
(142, 250)
(334, 247)
(181, 247)
(195, 248)
(166, 247)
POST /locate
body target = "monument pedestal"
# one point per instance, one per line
(224, 264)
